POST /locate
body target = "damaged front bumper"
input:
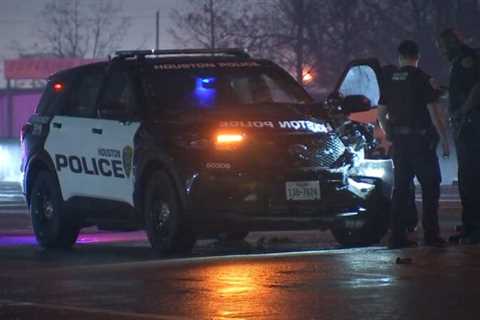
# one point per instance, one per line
(223, 201)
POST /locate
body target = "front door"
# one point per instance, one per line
(114, 134)
(361, 77)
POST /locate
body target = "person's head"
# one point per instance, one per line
(408, 53)
(450, 43)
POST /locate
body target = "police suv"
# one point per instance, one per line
(201, 143)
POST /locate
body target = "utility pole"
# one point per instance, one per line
(157, 34)
(299, 10)
(212, 24)
(9, 110)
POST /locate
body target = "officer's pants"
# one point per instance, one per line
(468, 155)
(414, 156)
(410, 216)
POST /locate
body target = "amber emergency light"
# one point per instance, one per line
(229, 141)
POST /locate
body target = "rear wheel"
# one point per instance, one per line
(166, 229)
(52, 226)
(367, 227)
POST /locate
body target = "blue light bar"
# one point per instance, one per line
(208, 81)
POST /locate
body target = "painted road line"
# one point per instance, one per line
(118, 266)
(441, 200)
(13, 209)
(38, 308)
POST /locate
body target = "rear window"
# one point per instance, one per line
(211, 88)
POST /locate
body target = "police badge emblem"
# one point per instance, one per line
(127, 155)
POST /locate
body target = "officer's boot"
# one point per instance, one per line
(399, 239)
(434, 240)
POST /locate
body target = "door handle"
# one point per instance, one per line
(57, 125)
(97, 131)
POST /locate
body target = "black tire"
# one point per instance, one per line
(166, 229)
(51, 224)
(367, 228)
(233, 236)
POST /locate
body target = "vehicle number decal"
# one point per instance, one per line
(218, 165)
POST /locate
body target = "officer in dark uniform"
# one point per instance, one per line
(410, 116)
(410, 216)
(464, 109)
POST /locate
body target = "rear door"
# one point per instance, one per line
(71, 143)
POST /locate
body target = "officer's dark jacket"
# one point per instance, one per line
(407, 92)
(464, 74)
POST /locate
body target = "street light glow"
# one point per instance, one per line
(307, 77)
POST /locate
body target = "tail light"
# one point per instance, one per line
(58, 87)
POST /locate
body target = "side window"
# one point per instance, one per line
(118, 99)
(84, 96)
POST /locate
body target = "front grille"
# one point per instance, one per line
(327, 151)
(300, 151)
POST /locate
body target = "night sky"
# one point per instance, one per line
(18, 20)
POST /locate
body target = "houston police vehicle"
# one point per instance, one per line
(200, 143)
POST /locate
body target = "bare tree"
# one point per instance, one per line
(107, 28)
(273, 29)
(74, 28)
(285, 23)
(423, 20)
(326, 34)
(205, 23)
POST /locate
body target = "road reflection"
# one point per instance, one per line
(24, 238)
(236, 282)
(238, 291)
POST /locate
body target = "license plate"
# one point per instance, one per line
(303, 190)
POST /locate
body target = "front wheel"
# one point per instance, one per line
(166, 229)
(366, 228)
(51, 224)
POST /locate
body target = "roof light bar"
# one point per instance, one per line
(241, 53)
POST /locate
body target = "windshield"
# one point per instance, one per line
(221, 88)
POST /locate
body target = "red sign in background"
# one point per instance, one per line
(23, 103)
(39, 68)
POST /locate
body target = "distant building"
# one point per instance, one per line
(26, 77)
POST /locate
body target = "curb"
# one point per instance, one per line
(12, 206)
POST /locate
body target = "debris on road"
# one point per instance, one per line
(403, 260)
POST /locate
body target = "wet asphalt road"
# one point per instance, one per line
(288, 275)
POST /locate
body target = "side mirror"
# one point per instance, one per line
(356, 103)
(336, 104)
